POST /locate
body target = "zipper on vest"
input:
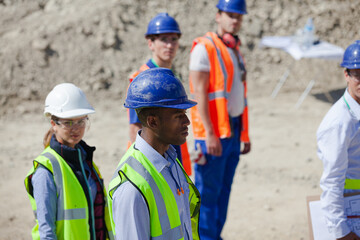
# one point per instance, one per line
(90, 199)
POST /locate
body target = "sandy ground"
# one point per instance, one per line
(270, 186)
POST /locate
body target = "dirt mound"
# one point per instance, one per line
(97, 44)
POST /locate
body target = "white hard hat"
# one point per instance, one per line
(67, 101)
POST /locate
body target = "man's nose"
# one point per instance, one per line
(187, 121)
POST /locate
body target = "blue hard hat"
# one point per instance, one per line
(162, 23)
(233, 6)
(351, 59)
(157, 87)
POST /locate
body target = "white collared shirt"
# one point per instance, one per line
(130, 211)
(338, 139)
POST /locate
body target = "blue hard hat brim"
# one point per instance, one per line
(350, 65)
(183, 105)
(233, 11)
(162, 32)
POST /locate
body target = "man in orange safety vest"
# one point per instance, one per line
(220, 120)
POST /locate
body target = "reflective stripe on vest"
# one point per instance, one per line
(219, 94)
(175, 233)
(214, 95)
(63, 214)
(352, 184)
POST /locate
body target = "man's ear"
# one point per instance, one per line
(346, 72)
(150, 44)
(153, 122)
(53, 125)
(217, 17)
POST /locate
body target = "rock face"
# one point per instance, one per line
(97, 44)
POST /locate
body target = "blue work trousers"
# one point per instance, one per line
(214, 180)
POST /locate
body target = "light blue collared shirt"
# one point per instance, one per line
(130, 211)
(338, 139)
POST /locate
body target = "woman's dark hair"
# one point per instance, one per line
(48, 135)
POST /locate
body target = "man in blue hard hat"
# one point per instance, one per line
(220, 120)
(163, 34)
(151, 196)
(338, 138)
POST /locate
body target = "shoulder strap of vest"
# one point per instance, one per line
(62, 214)
(206, 40)
(218, 94)
(141, 69)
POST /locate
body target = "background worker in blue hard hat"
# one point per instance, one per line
(338, 138)
(220, 120)
(151, 196)
(163, 34)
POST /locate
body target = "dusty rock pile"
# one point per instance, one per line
(97, 44)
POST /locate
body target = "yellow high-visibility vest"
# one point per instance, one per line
(72, 220)
(164, 215)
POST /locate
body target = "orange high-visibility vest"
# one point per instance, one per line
(220, 84)
(141, 69)
(185, 156)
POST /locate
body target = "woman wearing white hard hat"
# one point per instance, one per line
(65, 187)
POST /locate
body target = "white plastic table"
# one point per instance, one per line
(322, 49)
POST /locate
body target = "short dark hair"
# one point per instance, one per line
(54, 118)
(144, 113)
(152, 37)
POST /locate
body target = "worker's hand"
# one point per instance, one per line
(213, 145)
(247, 148)
(350, 236)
